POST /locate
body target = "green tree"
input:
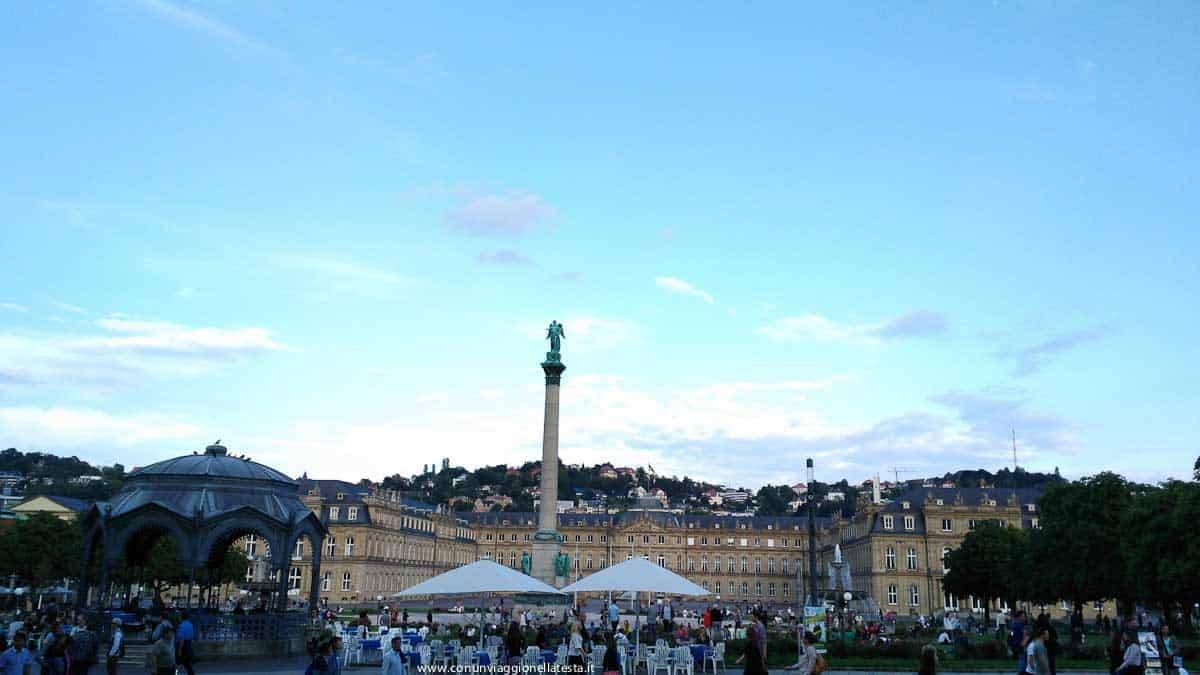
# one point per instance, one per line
(772, 500)
(1163, 562)
(41, 550)
(1078, 544)
(988, 564)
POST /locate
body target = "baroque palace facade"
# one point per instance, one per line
(380, 543)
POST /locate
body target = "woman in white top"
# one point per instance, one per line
(575, 647)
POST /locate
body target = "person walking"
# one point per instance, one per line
(753, 656)
(184, 636)
(393, 660)
(612, 657)
(929, 661)
(116, 649)
(1037, 661)
(575, 648)
(614, 614)
(1131, 663)
(160, 660)
(1168, 649)
(514, 643)
(84, 649)
(17, 659)
(1023, 652)
(808, 655)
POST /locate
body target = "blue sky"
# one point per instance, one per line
(333, 235)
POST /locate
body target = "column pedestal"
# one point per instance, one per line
(545, 540)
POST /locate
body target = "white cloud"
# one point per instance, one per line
(12, 306)
(683, 288)
(124, 351)
(433, 397)
(185, 292)
(916, 324)
(59, 429)
(585, 332)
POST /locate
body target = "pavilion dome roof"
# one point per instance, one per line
(215, 462)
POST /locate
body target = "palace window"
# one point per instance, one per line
(326, 580)
(758, 565)
(745, 564)
(294, 578)
(771, 590)
(914, 596)
(745, 588)
(589, 539)
(299, 552)
(330, 546)
(783, 564)
(732, 562)
(889, 522)
(630, 537)
(703, 563)
(892, 598)
(947, 525)
(786, 590)
(661, 539)
(758, 588)
(945, 554)
(662, 561)
(911, 559)
(692, 565)
(334, 512)
(349, 546)
(1033, 522)
(704, 541)
(910, 523)
(770, 566)
(589, 562)
(352, 513)
(577, 539)
(604, 539)
(345, 581)
(645, 539)
(889, 558)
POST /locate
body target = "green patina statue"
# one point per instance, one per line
(526, 562)
(562, 565)
(555, 335)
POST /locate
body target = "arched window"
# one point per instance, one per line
(889, 558)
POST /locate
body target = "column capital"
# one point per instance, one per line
(554, 371)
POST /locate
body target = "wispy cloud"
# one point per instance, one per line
(185, 292)
(511, 214)
(916, 324)
(124, 352)
(675, 285)
(13, 307)
(347, 276)
(1031, 359)
(503, 257)
(67, 307)
(201, 23)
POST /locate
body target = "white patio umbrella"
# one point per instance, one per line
(636, 575)
(478, 578)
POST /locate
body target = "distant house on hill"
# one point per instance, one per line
(66, 508)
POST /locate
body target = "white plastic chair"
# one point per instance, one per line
(658, 659)
(351, 648)
(641, 657)
(684, 661)
(717, 654)
(560, 657)
(466, 656)
(598, 658)
(533, 656)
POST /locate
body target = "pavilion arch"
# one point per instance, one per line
(204, 502)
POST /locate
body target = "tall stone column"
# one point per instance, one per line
(545, 540)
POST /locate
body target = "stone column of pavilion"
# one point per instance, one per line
(545, 540)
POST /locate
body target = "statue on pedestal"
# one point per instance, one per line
(555, 335)
(562, 565)
(526, 562)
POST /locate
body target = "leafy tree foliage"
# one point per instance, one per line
(41, 550)
(989, 564)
